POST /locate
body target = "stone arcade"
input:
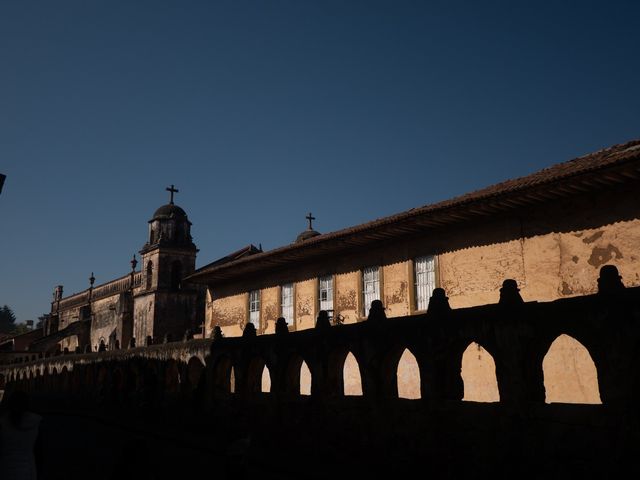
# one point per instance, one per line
(213, 390)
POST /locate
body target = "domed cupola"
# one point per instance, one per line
(309, 232)
(170, 227)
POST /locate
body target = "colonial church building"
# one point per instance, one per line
(550, 231)
(141, 307)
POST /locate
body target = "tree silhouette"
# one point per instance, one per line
(7, 320)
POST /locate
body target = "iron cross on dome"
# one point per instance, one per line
(171, 190)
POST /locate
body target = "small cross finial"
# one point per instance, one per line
(310, 218)
(172, 190)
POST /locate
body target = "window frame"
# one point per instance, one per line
(419, 276)
(366, 301)
(330, 296)
(253, 302)
(149, 275)
(291, 288)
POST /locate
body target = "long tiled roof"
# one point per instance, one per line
(614, 165)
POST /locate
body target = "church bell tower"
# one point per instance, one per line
(164, 306)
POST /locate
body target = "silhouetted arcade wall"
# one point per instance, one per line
(251, 385)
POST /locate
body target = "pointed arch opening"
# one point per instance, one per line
(222, 375)
(176, 275)
(408, 376)
(478, 371)
(351, 376)
(298, 378)
(172, 377)
(265, 380)
(258, 376)
(149, 274)
(570, 375)
(195, 367)
(305, 379)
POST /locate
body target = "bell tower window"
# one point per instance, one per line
(176, 275)
(149, 274)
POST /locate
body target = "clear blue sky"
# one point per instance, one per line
(261, 111)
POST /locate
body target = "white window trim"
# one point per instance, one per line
(424, 280)
(287, 310)
(254, 307)
(326, 305)
(370, 287)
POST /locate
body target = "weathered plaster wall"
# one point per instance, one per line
(546, 267)
(473, 276)
(208, 312)
(396, 284)
(305, 304)
(70, 343)
(347, 302)
(175, 312)
(144, 310)
(68, 316)
(230, 313)
(582, 253)
(269, 309)
(105, 313)
(552, 251)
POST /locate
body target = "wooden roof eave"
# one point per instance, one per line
(417, 220)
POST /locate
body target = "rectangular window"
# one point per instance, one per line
(325, 294)
(286, 303)
(370, 287)
(254, 308)
(425, 280)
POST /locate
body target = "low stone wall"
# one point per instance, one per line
(220, 382)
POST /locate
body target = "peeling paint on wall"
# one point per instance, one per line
(602, 255)
(229, 311)
(546, 267)
(269, 309)
(305, 304)
(396, 291)
(592, 238)
(347, 301)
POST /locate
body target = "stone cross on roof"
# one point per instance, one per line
(310, 218)
(172, 191)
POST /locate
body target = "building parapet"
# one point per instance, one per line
(113, 287)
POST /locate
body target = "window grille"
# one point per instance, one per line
(425, 280)
(287, 302)
(370, 287)
(254, 308)
(325, 294)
